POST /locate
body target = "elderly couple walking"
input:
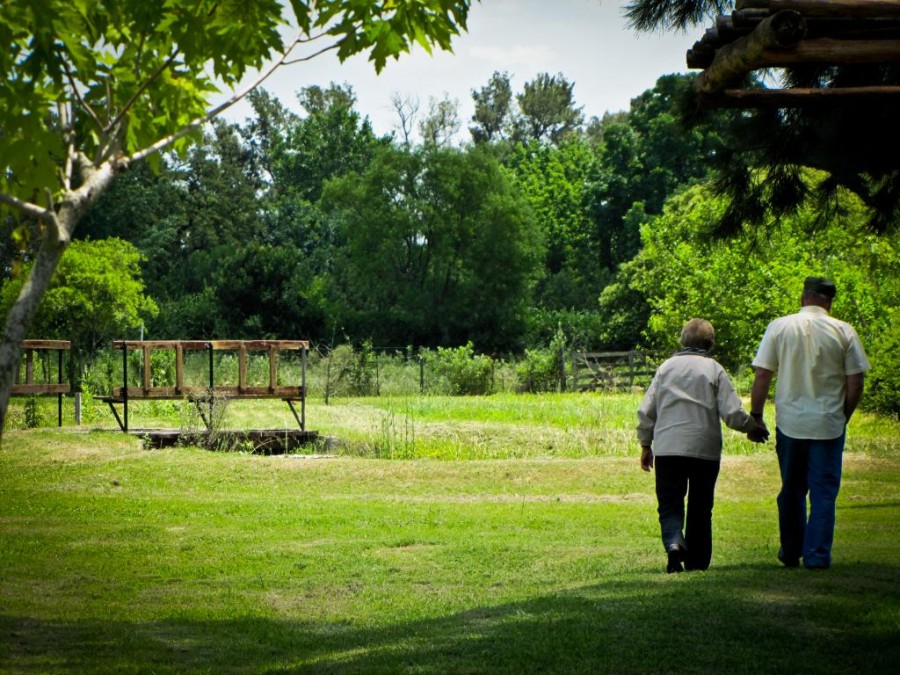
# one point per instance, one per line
(819, 364)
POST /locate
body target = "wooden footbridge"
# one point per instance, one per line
(205, 394)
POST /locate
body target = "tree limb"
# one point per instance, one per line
(140, 90)
(200, 121)
(77, 95)
(309, 57)
(738, 58)
(26, 208)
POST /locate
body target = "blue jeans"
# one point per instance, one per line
(812, 467)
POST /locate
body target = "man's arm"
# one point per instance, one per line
(855, 384)
(760, 391)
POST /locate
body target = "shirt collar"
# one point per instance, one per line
(813, 309)
(692, 350)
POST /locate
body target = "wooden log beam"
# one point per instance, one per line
(816, 8)
(801, 97)
(262, 345)
(732, 62)
(832, 52)
(45, 344)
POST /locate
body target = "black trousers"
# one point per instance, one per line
(677, 477)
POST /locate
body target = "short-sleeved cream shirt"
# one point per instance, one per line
(812, 354)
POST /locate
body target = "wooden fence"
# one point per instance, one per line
(592, 371)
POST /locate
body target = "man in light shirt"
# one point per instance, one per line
(820, 366)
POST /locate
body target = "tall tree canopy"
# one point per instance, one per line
(87, 88)
(436, 248)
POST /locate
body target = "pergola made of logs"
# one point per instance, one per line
(788, 33)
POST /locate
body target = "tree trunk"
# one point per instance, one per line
(58, 227)
(23, 310)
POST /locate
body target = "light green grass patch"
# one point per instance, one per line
(119, 559)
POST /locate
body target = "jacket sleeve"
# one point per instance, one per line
(730, 408)
(647, 413)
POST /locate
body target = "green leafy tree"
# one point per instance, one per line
(436, 247)
(493, 109)
(332, 140)
(554, 179)
(547, 109)
(88, 88)
(441, 124)
(743, 284)
(96, 294)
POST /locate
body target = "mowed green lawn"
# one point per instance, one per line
(519, 536)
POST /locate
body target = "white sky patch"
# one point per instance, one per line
(585, 40)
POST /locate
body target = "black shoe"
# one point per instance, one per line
(788, 561)
(676, 555)
(822, 566)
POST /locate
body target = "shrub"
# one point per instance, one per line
(543, 369)
(465, 372)
(351, 371)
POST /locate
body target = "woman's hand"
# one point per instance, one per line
(646, 458)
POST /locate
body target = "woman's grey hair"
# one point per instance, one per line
(698, 334)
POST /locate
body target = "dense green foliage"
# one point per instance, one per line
(96, 295)
(594, 234)
(742, 284)
(435, 247)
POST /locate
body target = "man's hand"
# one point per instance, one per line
(760, 434)
(646, 458)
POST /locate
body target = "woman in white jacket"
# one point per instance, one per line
(679, 431)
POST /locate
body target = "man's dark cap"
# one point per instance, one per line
(820, 285)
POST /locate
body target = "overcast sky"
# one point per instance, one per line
(585, 40)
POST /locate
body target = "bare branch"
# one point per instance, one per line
(77, 95)
(27, 208)
(311, 56)
(200, 121)
(134, 97)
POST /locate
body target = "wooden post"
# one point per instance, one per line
(59, 379)
(242, 368)
(179, 367)
(125, 386)
(29, 366)
(147, 373)
(212, 384)
(303, 389)
(273, 368)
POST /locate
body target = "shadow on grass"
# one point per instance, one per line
(728, 620)
(876, 505)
